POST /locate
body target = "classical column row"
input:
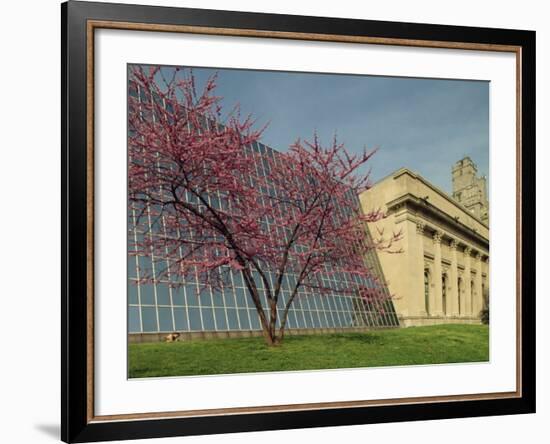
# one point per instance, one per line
(458, 303)
(478, 301)
(467, 281)
(438, 275)
(455, 303)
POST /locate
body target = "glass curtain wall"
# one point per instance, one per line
(160, 307)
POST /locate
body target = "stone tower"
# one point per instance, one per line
(469, 190)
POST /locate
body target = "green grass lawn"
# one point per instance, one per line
(405, 346)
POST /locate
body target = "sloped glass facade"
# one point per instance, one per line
(188, 307)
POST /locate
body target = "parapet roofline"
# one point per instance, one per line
(405, 171)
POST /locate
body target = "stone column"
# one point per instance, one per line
(418, 266)
(453, 289)
(437, 276)
(467, 282)
(461, 308)
(478, 299)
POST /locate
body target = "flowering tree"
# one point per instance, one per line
(216, 206)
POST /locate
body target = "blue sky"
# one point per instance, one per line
(423, 124)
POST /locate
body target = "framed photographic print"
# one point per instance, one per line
(276, 221)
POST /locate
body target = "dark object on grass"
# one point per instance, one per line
(484, 315)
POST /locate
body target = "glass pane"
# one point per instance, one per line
(238, 279)
(163, 294)
(263, 299)
(281, 302)
(300, 319)
(192, 297)
(337, 319)
(254, 319)
(132, 292)
(149, 318)
(258, 279)
(291, 320)
(132, 266)
(232, 317)
(243, 318)
(195, 319)
(241, 295)
(346, 302)
(208, 319)
(147, 295)
(308, 319)
(316, 322)
(330, 302)
(178, 296)
(229, 297)
(144, 265)
(180, 316)
(346, 319)
(221, 322)
(165, 319)
(205, 298)
(325, 319)
(217, 299)
(133, 320)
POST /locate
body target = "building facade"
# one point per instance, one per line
(469, 190)
(441, 274)
(193, 310)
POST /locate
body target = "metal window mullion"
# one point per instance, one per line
(199, 291)
(309, 309)
(302, 311)
(224, 306)
(314, 296)
(235, 301)
(184, 288)
(349, 309)
(375, 312)
(282, 295)
(323, 301)
(152, 254)
(168, 271)
(138, 284)
(153, 268)
(339, 311)
(335, 313)
(209, 198)
(213, 308)
(329, 310)
(386, 316)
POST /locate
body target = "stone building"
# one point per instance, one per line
(470, 190)
(442, 273)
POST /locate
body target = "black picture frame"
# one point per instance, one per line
(76, 423)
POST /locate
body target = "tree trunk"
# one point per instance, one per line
(267, 330)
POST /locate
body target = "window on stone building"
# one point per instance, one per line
(444, 293)
(460, 289)
(427, 291)
(472, 296)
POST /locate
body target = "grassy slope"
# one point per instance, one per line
(416, 345)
